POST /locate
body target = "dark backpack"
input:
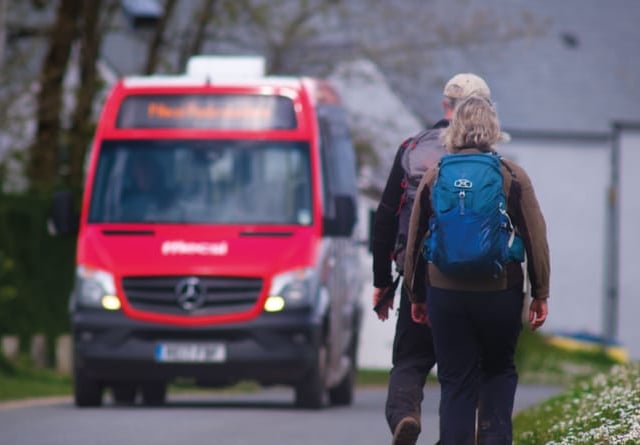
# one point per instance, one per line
(421, 152)
(470, 232)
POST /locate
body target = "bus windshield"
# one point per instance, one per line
(202, 182)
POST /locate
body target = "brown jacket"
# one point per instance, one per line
(527, 218)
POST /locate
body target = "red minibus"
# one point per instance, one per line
(216, 238)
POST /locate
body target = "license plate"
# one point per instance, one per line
(191, 352)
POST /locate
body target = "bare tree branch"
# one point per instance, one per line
(194, 45)
(153, 54)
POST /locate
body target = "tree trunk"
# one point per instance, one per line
(204, 17)
(3, 29)
(153, 55)
(81, 122)
(44, 153)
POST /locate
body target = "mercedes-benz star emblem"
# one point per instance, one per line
(191, 293)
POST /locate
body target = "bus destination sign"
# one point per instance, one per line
(215, 112)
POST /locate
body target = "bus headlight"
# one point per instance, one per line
(95, 288)
(291, 289)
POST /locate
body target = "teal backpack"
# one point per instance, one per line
(470, 232)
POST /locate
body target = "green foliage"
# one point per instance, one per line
(8, 290)
(6, 367)
(36, 270)
(538, 362)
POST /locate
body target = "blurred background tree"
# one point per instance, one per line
(50, 87)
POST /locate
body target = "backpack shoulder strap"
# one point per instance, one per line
(514, 180)
(508, 167)
(416, 138)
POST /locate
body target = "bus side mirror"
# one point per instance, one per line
(345, 218)
(63, 219)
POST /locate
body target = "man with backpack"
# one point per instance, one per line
(474, 217)
(413, 353)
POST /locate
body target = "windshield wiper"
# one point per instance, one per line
(266, 233)
(128, 232)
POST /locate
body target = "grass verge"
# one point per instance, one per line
(601, 409)
(538, 362)
(20, 381)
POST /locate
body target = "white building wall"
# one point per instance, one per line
(571, 179)
(376, 338)
(629, 191)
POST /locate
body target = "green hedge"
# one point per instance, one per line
(36, 270)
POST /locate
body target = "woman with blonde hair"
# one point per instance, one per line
(476, 318)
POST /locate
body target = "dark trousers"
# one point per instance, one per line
(413, 357)
(475, 336)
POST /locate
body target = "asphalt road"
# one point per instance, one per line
(265, 417)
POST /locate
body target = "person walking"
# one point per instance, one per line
(413, 355)
(476, 320)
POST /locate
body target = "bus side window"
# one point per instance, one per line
(339, 173)
(327, 167)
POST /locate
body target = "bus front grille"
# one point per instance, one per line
(192, 295)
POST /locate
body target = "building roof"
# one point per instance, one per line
(578, 74)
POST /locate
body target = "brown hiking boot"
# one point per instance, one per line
(406, 432)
